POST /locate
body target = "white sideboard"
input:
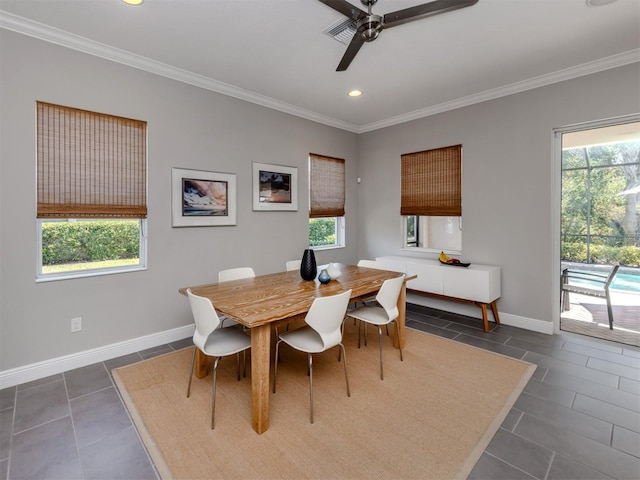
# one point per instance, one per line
(478, 284)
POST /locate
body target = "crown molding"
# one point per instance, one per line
(619, 60)
(46, 33)
(56, 36)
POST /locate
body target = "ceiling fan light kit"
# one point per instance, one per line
(369, 26)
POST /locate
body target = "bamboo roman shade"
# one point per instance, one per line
(90, 165)
(326, 186)
(431, 182)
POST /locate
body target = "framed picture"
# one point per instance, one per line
(202, 199)
(275, 187)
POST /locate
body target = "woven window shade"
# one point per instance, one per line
(431, 182)
(326, 186)
(90, 165)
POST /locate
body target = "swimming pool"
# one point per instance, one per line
(626, 282)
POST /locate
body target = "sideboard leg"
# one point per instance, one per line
(485, 319)
(494, 309)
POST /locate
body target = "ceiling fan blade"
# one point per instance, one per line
(345, 8)
(393, 19)
(356, 43)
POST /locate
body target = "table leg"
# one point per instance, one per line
(203, 364)
(260, 359)
(402, 311)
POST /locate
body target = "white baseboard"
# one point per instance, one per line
(35, 371)
(526, 323)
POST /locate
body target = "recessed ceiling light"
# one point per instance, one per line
(133, 2)
(599, 3)
(355, 93)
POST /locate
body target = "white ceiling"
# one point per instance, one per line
(273, 52)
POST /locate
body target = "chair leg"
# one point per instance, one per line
(238, 364)
(193, 364)
(609, 311)
(380, 345)
(275, 366)
(565, 302)
(310, 363)
(360, 324)
(213, 394)
(346, 377)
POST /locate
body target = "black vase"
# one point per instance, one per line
(308, 265)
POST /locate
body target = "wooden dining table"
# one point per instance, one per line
(261, 302)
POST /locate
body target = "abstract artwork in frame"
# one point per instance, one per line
(202, 199)
(275, 187)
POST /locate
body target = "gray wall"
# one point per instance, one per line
(507, 191)
(187, 127)
(507, 177)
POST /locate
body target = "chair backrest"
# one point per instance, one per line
(597, 280)
(388, 296)
(326, 315)
(235, 274)
(612, 274)
(205, 317)
(293, 265)
(371, 264)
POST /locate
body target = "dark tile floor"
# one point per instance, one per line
(73, 426)
(578, 417)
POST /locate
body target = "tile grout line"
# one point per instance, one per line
(73, 425)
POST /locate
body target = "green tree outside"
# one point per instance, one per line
(322, 231)
(598, 225)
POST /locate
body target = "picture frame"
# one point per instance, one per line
(275, 187)
(202, 199)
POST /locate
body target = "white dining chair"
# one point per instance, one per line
(367, 264)
(322, 332)
(371, 264)
(229, 275)
(384, 314)
(292, 265)
(235, 274)
(214, 340)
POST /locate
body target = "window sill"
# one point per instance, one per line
(52, 277)
(326, 247)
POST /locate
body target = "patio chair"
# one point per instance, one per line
(590, 283)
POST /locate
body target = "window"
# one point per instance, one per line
(326, 201)
(431, 199)
(91, 190)
(600, 220)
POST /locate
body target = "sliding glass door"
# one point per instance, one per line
(600, 221)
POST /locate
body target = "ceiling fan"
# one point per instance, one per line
(369, 26)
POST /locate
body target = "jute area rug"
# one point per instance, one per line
(430, 418)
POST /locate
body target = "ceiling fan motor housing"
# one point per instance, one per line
(370, 27)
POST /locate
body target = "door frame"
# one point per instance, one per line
(556, 199)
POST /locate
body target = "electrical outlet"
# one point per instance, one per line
(76, 324)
